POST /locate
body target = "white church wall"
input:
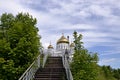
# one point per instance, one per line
(62, 46)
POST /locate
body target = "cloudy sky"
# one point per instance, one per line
(97, 20)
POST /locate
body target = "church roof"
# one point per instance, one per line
(72, 45)
(62, 40)
(50, 47)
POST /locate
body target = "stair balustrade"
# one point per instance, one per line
(67, 67)
(45, 59)
(30, 72)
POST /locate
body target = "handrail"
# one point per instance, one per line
(30, 72)
(67, 68)
(45, 59)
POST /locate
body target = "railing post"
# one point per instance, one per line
(45, 59)
(67, 68)
(26, 76)
(38, 61)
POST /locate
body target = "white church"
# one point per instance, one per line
(62, 45)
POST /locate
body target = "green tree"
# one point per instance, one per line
(116, 73)
(4, 49)
(6, 22)
(19, 44)
(107, 71)
(84, 64)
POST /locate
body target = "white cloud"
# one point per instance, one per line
(8, 6)
(82, 14)
(99, 10)
(46, 45)
(114, 51)
(78, 1)
(113, 62)
(110, 53)
(67, 26)
(107, 61)
(14, 7)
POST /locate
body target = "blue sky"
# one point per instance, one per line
(97, 20)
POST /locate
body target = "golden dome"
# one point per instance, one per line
(50, 47)
(62, 40)
(72, 45)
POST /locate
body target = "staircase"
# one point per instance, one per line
(53, 70)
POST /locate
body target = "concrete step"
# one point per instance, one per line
(49, 79)
(37, 73)
(48, 76)
(54, 66)
(53, 70)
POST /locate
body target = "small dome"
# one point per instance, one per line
(50, 47)
(72, 45)
(62, 40)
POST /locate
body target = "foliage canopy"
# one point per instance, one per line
(19, 44)
(84, 64)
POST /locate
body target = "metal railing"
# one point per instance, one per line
(30, 72)
(67, 68)
(45, 59)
